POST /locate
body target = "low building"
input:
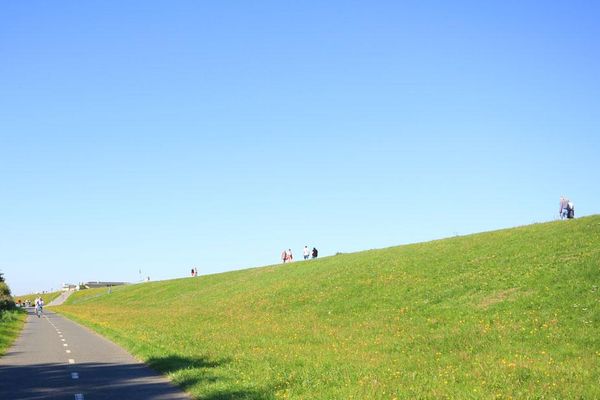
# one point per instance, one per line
(66, 287)
(98, 284)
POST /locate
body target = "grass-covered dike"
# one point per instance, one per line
(506, 314)
(47, 296)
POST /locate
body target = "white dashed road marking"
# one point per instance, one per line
(88, 347)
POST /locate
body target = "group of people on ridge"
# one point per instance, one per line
(287, 256)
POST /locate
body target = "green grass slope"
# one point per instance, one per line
(48, 296)
(505, 314)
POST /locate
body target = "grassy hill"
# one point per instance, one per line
(506, 314)
(48, 296)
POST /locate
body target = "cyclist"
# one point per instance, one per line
(39, 306)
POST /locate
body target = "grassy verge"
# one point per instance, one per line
(507, 314)
(11, 323)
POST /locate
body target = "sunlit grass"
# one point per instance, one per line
(48, 297)
(11, 322)
(506, 314)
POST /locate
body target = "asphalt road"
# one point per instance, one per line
(55, 358)
(61, 299)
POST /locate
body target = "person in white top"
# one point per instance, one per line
(305, 252)
(39, 306)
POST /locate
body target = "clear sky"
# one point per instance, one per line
(161, 135)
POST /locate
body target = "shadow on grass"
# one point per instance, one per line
(239, 395)
(191, 372)
(175, 363)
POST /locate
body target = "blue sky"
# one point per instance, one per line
(165, 135)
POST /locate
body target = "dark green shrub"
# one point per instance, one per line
(6, 300)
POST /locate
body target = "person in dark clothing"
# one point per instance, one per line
(570, 210)
(315, 252)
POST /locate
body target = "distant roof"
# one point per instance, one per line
(103, 284)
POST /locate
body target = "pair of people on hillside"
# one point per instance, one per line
(307, 253)
(567, 208)
(287, 256)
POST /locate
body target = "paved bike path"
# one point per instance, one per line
(61, 298)
(55, 358)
